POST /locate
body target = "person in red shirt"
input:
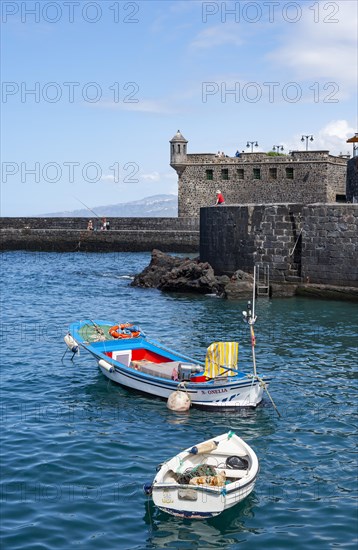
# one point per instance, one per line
(219, 198)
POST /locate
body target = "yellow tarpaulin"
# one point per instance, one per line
(220, 355)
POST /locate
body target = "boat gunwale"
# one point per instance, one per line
(238, 381)
(225, 490)
(208, 489)
(196, 390)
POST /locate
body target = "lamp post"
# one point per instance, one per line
(277, 148)
(309, 137)
(252, 144)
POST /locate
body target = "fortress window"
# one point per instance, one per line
(173, 149)
(240, 173)
(184, 148)
(209, 175)
(257, 173)
(273, 173)
(225, 174)
(178, 147)
(289, 173)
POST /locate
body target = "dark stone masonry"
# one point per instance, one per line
(303, 177)
(125, 235)
(311, 243)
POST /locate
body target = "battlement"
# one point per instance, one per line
(254, 158)
(258, 177)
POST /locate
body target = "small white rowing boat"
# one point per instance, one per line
(204, 480)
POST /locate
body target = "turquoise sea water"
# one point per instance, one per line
(77, 449)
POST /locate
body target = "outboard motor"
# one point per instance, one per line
(186, 370)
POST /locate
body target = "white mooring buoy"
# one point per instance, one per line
(179, 401)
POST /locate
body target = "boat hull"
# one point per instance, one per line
(244, 394)
(225, 392)
(205, 501)
(206, 506)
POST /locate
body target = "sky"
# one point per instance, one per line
(92, 92)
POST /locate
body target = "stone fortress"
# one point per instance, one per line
(304, 177)
(296, 215)
(291, 215)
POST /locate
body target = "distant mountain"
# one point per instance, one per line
(157, 206)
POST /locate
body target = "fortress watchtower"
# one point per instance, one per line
(178, 153)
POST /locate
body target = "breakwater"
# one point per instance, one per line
(300, 243)
(125, 235)
(314, 244)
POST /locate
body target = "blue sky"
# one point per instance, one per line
(112, 82)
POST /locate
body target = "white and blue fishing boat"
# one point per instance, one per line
(203, 481)
(126, 356)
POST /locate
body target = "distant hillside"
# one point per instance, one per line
(157, 206)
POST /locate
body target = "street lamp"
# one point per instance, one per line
(252, 144)
(277, 148)
(309, 137)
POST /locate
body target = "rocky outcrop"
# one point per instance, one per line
(177, 274)
(190, 276)
(171, 273)
(159, 266)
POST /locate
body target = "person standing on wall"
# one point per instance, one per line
(219, 198)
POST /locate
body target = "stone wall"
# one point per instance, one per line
(181, 224)
(330, 244)
(316, 177)
(237, 237)
(352, 180)
(126, 234)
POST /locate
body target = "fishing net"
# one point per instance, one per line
(203, 470)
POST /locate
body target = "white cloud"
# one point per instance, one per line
(153, 176)
(322, 49)
(151, 106)
(158, 176)
(219, 35)
(107, 177)
(331, 137)
(334, 136)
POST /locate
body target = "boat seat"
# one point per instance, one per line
(232, 473)
(163, 370)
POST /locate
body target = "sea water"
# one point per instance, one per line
(77, 449)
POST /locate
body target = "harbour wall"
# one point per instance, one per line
(125, 235)
(300, 243)
(315, 243)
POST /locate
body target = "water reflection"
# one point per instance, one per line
(230, 527)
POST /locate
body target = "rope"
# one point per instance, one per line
(264, 386)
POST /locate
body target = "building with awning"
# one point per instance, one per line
(354, 140)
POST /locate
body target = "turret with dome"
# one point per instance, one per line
(178, 152)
